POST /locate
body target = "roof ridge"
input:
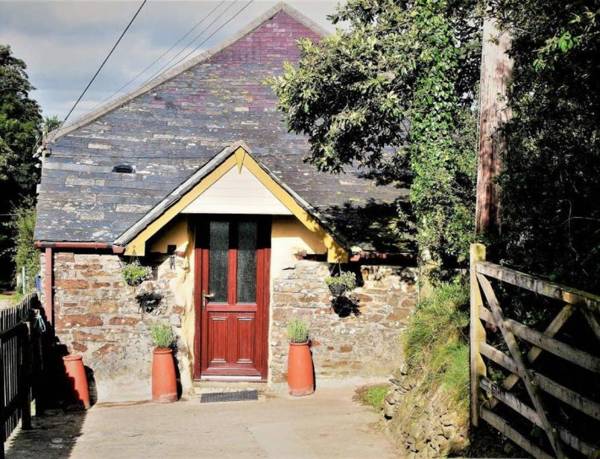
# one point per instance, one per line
(184, 66)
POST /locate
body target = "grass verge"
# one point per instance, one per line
(372, 395)
(436, 342)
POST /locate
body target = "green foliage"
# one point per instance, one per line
(297, 331)
(550, 186)
(134, 273)
(162, 335)
(346, 279)
(20, 123)
(435, 341)
(393, 94)
(24, 254)
(50, 124)
(373, 395)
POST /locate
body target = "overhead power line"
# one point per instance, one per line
(214, 33)
(149, 66)
(105, 60)
(219, 28)
(168, 66)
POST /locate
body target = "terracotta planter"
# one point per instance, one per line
(78, 383)
(301, 378)
(164, 380)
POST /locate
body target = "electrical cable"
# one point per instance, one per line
(105, 60)
(161, 56)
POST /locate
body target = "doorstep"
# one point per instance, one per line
(210, 387)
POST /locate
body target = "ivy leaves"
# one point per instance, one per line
(393, 94)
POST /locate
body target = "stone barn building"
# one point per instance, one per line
(196, 176)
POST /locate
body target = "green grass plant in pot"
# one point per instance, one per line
(301, 379)
(164, 378)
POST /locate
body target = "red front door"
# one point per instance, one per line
(232, 296)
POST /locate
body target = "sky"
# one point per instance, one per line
(64, 42)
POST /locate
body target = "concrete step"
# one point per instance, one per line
(209, 387)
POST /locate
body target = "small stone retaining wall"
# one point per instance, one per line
(424, 424)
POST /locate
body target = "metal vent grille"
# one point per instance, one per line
(123, 169)
(229, 396)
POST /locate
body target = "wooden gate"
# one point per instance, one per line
(508, 391)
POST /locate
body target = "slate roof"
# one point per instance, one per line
(170, 128)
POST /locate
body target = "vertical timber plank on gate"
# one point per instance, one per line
(528, 380)
(476, 331)
(24, 389)
(2, 401)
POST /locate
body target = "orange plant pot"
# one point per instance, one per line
(301, 378)
(75, 372)
(164, 380)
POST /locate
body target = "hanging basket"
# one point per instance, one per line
(337, 289)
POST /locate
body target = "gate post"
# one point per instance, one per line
(476, 331)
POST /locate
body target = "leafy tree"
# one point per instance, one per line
(20, 123)
(24, 253)
(550, 186)
(393, 94)
(50, 124)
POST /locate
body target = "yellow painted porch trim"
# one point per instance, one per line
(335, 252)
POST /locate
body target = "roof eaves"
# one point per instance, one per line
(178, 192)
(183, 67)
(197, 176)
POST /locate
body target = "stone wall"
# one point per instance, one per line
(424, 422)
(364, 344)
(97, 316)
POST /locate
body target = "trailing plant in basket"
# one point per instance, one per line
(162, 335)
(297, 331)
(341, 283)
(134, 273)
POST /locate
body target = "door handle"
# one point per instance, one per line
(205, 298)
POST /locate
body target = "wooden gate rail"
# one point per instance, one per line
(15, 367)
(485, 394)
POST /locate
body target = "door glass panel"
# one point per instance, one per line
(246, 262)
(218, 263)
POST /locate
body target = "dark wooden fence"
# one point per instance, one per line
(16, 365)
(520, 400)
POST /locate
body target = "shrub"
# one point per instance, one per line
(134, 273)
(24, 253)
(162, 335)
(435, 341)
(297, 331)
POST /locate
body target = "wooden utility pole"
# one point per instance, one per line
(496, 69)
